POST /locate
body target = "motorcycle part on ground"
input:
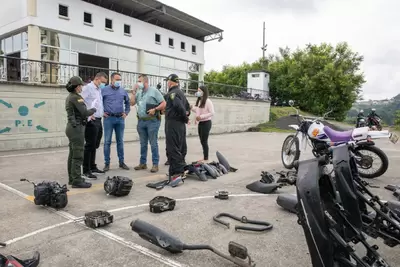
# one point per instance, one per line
(287, 177)
(330, 214)
(267, 178)
(222, 194)
(392, 187)
(197, 169)
(266, 225)
(224, 162)
(118, 186)
(160, 204)
(263, 188)
(210, 171)
(396, 194)
(221, 170)
(98, 218)
(160, 238)
(288, 202)
(394, 206)
(50, 194)
(158, 185)
(11, 261)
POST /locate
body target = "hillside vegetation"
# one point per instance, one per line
(388, 110)
(317, 77)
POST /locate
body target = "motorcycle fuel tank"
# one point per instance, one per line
(316, 131)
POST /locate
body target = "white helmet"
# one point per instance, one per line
(362, 111)
(373, 109)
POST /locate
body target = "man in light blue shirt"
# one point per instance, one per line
(116, 108)
(91, 93)
(149, 103)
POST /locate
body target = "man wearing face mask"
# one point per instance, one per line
(149, 103)
(116, 108)
(91, 93)
(175, 126)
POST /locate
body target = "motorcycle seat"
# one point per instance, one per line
(338, 136)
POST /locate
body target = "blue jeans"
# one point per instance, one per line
(117, 124)
(148, 133)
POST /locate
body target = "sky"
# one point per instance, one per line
(371, 27)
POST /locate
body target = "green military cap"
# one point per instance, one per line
(76, 80)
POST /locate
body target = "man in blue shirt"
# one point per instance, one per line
(116, 108)
(149, 103)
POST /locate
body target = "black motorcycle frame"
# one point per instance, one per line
(330, 211)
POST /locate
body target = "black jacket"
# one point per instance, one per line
(177, 107)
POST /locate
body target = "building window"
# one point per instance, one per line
(108, 24)
(63, 11)
(158, 38)
(183, 46)
(127, 29)
(87, 18)
(193, 49)
(171, 42)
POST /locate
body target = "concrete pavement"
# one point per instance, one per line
(63, 241)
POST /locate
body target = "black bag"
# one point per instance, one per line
(118, 186)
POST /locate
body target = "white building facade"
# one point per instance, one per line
(133, 36)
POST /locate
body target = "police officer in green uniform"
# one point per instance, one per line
(77, 115)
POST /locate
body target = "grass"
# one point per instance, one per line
(275, 114)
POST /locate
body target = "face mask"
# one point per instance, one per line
(102, 85)
(117, 83)
(198, 94)
(141, 85)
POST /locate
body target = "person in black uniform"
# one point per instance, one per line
(175, 126)
(77, 115)
(184, 144)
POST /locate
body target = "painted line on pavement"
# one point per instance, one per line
(136, 247)
(97, 187)
(107, 234)
(33, 154)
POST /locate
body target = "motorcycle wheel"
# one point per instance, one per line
(368, 161)
(290, 141)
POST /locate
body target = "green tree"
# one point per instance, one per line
(318, 77)
(397, 118)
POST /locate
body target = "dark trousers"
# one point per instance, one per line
(76, 137)
(184, 146)
(93, 135)
(175, 140)
(204, 129)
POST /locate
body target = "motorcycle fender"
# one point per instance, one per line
(311, 214)
(365, 143)
(345, 185)
(379, 134)
(302, 141)
(294, 126)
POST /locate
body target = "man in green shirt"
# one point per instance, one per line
(149, 103)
